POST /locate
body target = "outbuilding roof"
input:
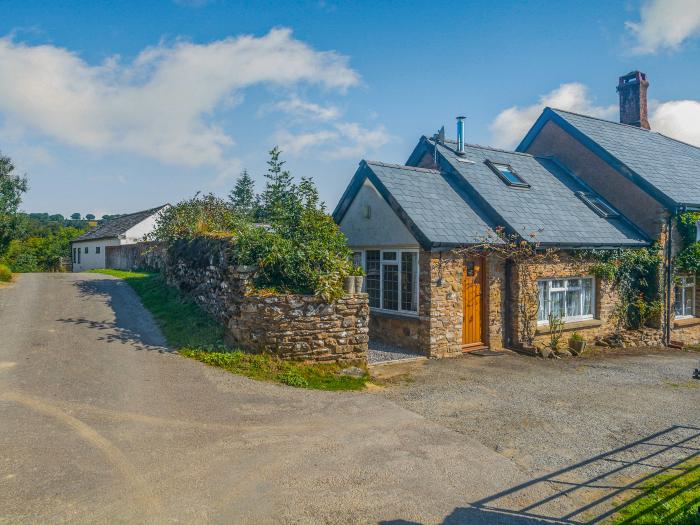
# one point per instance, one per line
(548, 209)
(117, 226)
(435, 210)
(667, 168)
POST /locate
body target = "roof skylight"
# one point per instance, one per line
(598, 205)
(507, 174)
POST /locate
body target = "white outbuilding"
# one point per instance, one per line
(88, 250)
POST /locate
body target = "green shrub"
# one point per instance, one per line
(5, 274)
(297, 248)
(310, 256)
(40, 253)
(200, 215)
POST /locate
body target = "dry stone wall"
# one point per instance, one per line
(294, 326)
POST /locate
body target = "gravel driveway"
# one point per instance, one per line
(547, 414)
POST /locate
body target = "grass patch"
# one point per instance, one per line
(671, 499)
(270, 368)
(197, 335)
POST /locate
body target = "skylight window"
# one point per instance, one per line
(507, 174)
(598, 205)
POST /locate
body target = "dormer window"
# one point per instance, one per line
(507, 174)
(598, 205)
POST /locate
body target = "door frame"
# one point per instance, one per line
(483, 301)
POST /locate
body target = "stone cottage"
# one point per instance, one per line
(647, 176)
(409, 227)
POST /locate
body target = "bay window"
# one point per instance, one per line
(570, 299)
(684, 305)
(391, 280)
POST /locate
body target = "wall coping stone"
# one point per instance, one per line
(570, 327)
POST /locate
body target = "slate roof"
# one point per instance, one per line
(548, 212)
(117, 226)
(434, 209)
(666, 167)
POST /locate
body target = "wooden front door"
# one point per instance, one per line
(471, 294)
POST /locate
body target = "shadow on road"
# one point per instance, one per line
(132, 323)
(591, 491)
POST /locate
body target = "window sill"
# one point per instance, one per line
(574, 325)
(688, 321)
(394, 315)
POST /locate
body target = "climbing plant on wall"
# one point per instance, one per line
(634, 274)
(688, 258)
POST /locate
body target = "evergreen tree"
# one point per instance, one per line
(243, 197)
(280, 195)
(308, 195)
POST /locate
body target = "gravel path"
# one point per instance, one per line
(379, 353)
(586, 428)
(548, 414)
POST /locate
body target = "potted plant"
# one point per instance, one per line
(359, 275)
(577, 343)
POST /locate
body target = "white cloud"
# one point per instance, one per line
(510, 126)
(679, 119)
(295, 143)
(161, 104)
(303, 109)
(341, 140)
(357, 141)
(665, 24)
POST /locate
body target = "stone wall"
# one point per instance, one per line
(291, 325)
(437, 329)
(400, 330)
(527, 274)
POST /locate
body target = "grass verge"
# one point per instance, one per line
(196, 335)
(671, 499)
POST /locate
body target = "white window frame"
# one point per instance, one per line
(572, 318)
(683, 286)
(399, 263)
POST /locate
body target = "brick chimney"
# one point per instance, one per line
(632, 88)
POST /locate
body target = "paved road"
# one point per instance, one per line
(98, 424)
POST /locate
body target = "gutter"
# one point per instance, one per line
(668, 277)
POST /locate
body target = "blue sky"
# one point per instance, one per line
(113, 107)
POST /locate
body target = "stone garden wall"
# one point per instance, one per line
(292, 326)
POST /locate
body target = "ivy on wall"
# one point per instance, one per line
(634, 274)
(688, 259)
